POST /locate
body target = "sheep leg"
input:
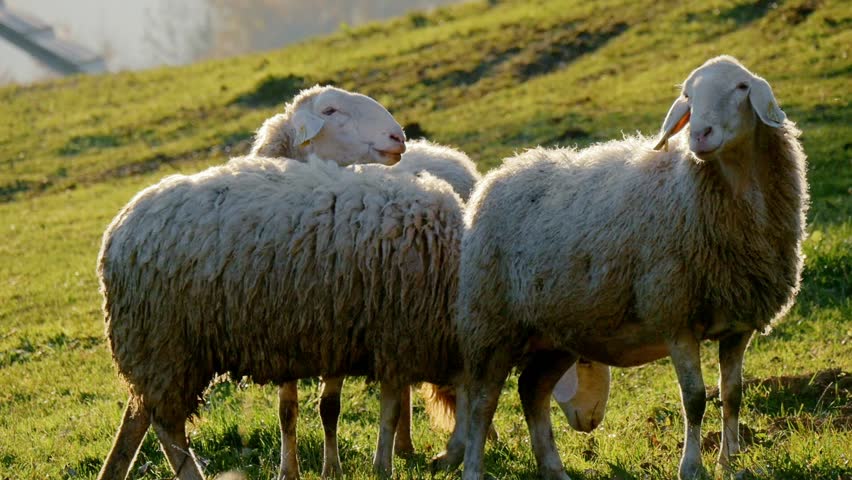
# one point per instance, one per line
(731, 352)
(485, 381)
(452, 457)
(132, 431)
(686, 357)
(402, 446)
(329, 413)
(288, 413)
(535, 385)
(176, 447)
(390, 399)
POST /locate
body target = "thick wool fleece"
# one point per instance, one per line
(280, 270)
(609, 250)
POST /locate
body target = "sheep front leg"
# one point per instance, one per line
(686, 357)
(390, 407)
(402, 446)
(534, 387)
(329, 413)
(731, 352)
(288, 412)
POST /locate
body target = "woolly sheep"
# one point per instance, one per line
(333, 124)
(279, 270)
(447, 164)
(624, 255)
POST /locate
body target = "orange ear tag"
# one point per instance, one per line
(682, 122)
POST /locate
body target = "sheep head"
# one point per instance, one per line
(332, 124)
(582, 393)
(721, 102)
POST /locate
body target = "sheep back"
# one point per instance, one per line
(448, 164)
(280, 270)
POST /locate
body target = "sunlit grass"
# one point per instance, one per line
(491, 78)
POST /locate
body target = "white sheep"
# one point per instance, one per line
(279, 270)
(334, 124)
(624, 255)
(457, 169)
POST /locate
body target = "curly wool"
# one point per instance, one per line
(280, 270)
(625, 237)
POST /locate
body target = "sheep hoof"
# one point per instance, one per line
(555, 475)
(382, 471)
(445, 462)
(403, 450)
(332, 471)
(692, 471)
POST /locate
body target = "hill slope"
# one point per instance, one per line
(489, 77)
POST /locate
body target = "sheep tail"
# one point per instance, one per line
(440, 405)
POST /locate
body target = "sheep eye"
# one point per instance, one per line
(329, 111)
(685, 95)
(742, 86)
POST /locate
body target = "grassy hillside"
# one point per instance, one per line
(491, 78)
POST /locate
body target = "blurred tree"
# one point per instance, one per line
(249, 25)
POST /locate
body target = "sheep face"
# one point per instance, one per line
(582, 393)
(722, 103)
(348, 128)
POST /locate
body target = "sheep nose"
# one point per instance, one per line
(397, 138)
(702, 135)
(397, 144)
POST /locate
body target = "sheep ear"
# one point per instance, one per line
(306, 126)
(676, 119)
(764, 104)
(566, 387)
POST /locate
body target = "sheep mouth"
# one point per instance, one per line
(391, 157)
(706, 153)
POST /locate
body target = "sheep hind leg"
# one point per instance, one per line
(390, 407)
(485, 379)
(288, 413)
(129, 438)
(330, 413)
(402, 445)
(731, 352)
(176, 447)
(535, 386)
(686, 357)
(452, 457)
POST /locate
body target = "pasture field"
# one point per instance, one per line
(491, 77)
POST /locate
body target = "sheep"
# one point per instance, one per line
(447, 164)
(280, 270)
(331, 123)
(624, 255)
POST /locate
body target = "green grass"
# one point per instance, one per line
(491, 78)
